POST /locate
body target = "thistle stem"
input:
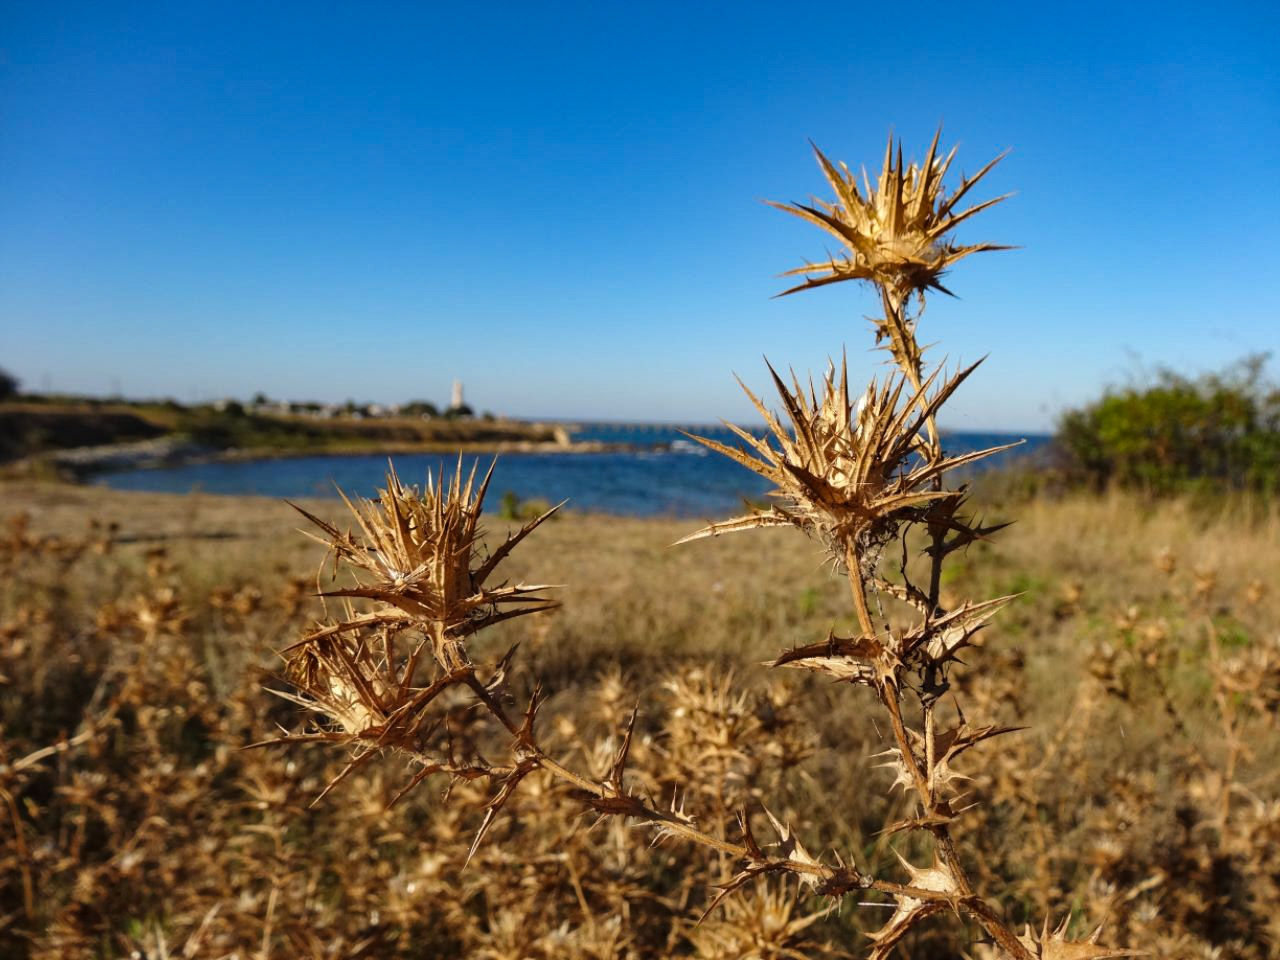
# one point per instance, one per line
(974, 905)
(906, 353)
(981, 911)
(853, 563)
(889, 698)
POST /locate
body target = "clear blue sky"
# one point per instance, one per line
(560, 203)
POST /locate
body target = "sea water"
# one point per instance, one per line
(659, 473)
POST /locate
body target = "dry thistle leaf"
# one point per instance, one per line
(1056, 946)
(909, 910)
(939, 640)
(863, 660)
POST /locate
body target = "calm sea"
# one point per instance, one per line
(662, 474)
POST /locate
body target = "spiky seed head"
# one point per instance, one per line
(768, 922)
(336, 687)
(419, 560)
(848, 478)
(419, 556)
(896, 232)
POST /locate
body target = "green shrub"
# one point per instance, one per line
(512, 507)
(9, 385)
(1216, 431)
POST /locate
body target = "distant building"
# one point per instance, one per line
(457, 401)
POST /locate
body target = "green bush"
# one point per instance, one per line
(1216, 431)
(9, 385)
(512, 507)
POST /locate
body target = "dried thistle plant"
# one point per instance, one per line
(858, 480)
(858, 477)
(377, 675)
(385, 679)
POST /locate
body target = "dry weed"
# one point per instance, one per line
(858, 479)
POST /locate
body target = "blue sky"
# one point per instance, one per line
(560, 203)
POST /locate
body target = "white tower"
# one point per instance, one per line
(457, 400)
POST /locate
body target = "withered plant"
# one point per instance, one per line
(866, 475)
(869, 482)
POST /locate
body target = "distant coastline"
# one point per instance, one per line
(77, 441)
(82, 463)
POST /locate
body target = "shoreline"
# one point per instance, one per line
(81, 464)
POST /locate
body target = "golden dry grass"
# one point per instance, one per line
(157, 829)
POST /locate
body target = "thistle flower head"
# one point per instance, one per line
(419, 561)
(848, 476)
(895, 232)
(419, 555)
(767, 923)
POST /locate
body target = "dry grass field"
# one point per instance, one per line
(138, 643)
